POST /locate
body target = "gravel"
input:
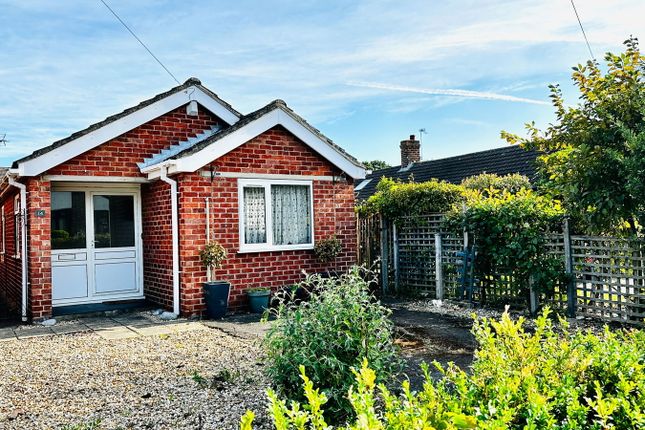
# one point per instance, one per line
(202, 379)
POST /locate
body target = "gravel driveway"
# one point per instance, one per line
(190, 380)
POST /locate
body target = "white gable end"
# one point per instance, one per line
(226, 144)
(91, 140)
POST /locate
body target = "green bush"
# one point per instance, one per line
(340, 325)
(510, 232)
(326, 250)
(486, 181)
(544, 379)
(394, 199)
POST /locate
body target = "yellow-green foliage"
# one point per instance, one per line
(487, 181)
(394, 199)
(543, 379)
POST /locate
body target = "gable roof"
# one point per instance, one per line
(500, 161)
(201, 152)
(115, 125)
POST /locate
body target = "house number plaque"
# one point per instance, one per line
(40, 213)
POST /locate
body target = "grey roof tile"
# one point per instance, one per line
(501, 161)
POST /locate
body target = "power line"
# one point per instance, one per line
(139, 40)
(581, 28)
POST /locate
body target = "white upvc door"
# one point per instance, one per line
(96, 245)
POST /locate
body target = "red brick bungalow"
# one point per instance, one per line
(118, 211)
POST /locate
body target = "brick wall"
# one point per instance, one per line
(10, 266)
(39, 248)
(157, 243)
(119, 156)
(274, 152)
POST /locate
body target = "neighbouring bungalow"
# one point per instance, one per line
(119, 212)
(501, 161)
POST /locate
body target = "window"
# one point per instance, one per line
(17, 225)
(275, 215)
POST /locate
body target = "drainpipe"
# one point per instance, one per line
(208, 232)
(23, 241)
(175, 237)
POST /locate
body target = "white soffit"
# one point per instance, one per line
(76, 147)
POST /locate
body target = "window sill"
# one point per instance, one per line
(269, 248)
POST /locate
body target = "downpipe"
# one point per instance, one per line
(175, 237)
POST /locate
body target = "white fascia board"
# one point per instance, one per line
(253, 129)
(91, 140)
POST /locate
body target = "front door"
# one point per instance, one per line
(96, 246)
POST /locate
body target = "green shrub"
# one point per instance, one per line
(394, 199)
(340, 325)
(511, 233)
(543, 379)
(326, 250)
(486, 181)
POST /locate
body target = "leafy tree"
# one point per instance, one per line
(593, 156)
(375, 165)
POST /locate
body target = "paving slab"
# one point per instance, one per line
(135, 321)
(102, 323)
(34, 332)
(7, 334)
(115, 333)
(70, 328)
(154, 330)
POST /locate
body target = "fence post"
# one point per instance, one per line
(568, 267)
(384, 255)
(438, 265)
(534, 299)
(395, 256)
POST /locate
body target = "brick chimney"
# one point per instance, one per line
(410, 151)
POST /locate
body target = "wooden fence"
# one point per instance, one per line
(607, 274)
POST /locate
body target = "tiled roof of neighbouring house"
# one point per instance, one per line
(501, 161)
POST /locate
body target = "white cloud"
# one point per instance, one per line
(448, 92)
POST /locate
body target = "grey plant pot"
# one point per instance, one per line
(258, 301)
(216, 298)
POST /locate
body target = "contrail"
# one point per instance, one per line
(447, 92)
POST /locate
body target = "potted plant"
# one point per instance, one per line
(258, 299)
(215, 292)
(327, 249)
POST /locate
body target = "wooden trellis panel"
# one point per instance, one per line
(416, 253)
(607, 274)
(609, 278)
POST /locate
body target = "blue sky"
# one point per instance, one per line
(366, 73)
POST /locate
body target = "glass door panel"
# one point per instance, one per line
(113, 221)
(68, 220)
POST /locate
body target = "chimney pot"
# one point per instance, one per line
(410, 151)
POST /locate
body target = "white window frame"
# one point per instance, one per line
(266, 184)
(17, 225)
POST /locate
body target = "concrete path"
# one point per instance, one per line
(133, 324)
(114, 327)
